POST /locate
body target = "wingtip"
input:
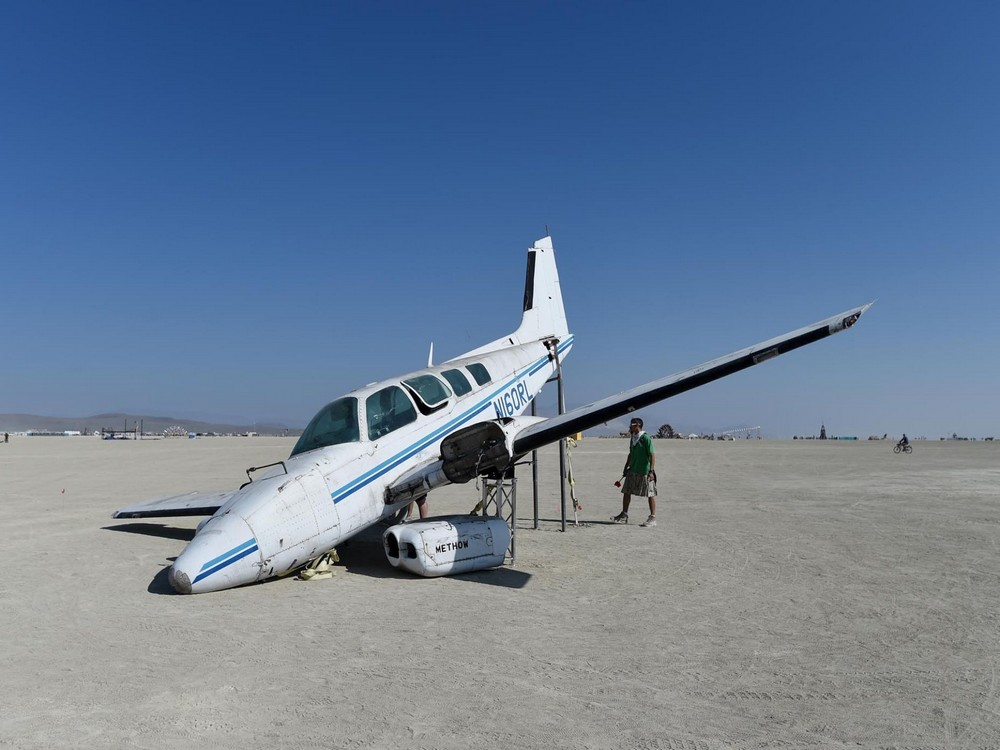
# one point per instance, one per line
(864, 308)
(846, 320)
(857, 312)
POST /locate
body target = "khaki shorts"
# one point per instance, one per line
(639, 485)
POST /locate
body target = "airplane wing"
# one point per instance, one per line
(190, 504)
(552, 429)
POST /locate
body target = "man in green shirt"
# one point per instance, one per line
(639, 473)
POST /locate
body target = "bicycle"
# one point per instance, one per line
(903, 448)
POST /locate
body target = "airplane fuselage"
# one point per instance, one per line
(325, 495)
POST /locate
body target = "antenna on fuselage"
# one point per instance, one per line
(430, 356)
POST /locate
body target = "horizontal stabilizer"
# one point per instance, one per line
(626, 402)
(191, 504)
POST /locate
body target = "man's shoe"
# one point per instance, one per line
(620, 518)
(651, 521)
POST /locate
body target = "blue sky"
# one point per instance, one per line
(243, 210)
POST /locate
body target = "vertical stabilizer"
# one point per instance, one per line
(543, 314)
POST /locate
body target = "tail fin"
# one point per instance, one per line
(544, 316)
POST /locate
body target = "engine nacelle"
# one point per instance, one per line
(447, 545)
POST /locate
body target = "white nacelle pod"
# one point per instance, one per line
(447, 545)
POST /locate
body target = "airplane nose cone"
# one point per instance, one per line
(223, 554)
(179, 580)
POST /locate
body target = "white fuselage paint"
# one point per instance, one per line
(278, 523)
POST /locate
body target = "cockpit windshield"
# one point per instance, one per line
(336, 423)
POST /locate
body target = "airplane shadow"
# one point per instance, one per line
(160, 585)
(154, 529)
(362, 555)
(505, 577)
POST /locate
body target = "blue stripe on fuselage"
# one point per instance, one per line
(227, 558)
(369, 476)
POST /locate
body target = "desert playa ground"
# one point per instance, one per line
(794, 594)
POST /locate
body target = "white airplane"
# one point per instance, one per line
(367, 454)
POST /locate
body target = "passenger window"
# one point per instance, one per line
(388, 410)
(480, 373)
(459, 383)
(431, 391)
(336, 423)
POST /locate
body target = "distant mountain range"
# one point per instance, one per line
(148, 424)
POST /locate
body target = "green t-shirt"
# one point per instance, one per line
(640, 455)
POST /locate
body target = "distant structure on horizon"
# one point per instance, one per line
(742, 432)
(822, 432)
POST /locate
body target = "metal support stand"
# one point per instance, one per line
(558, 378)
(499, 499)
(534, 471)
(562, 443)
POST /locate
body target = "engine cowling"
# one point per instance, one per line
(472, 451)
(481, 448)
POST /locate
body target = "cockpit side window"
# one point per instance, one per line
(388, 410)
(336, 423)
(479, 372)
(430, 392)
(459, 383)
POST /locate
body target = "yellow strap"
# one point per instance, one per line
(320, 568)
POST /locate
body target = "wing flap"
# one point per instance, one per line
(190, 504)
(628, 401)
